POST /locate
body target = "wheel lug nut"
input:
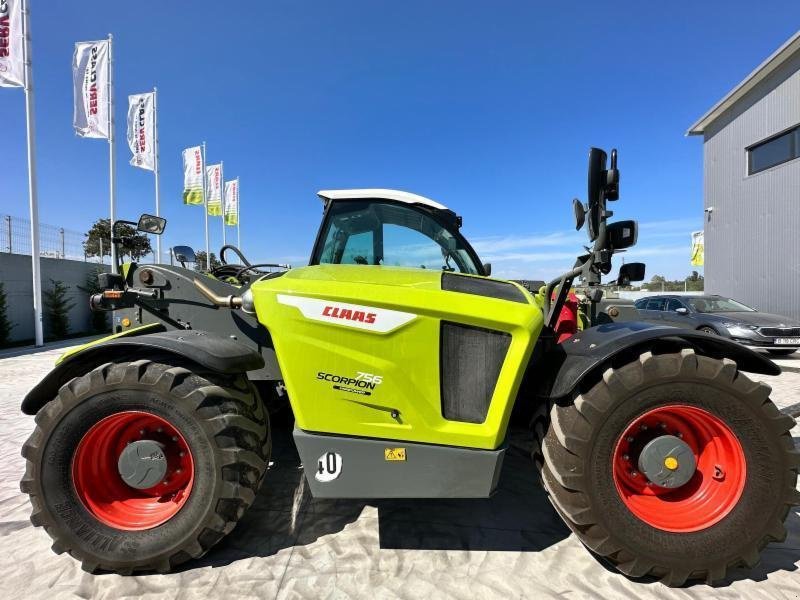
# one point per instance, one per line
(174, 438)
(178, 470)
(679, 435)
(142, 432)
(629, 439)
(634, 474)
(159, 430)
(663, 425)
(626, 457)
(643, 427)
(181, 453)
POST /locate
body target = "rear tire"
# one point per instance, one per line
(580, 446)
(219, 421)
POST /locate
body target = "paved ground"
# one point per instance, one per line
(291, 546)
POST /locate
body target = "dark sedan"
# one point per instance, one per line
(726, 317)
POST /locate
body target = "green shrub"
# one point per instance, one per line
(5, 325)
(57, 307)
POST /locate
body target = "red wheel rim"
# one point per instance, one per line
(103, 492)
(713, 490)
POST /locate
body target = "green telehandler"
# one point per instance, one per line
(402, 360)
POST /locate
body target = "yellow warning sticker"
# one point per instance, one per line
(394, 453)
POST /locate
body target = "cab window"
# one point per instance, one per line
(385, 233)
(655, 304)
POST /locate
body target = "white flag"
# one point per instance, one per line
(214, 190)
(12, 61)
(193, 185)
(90, 87)
(141, 131)
(232, 202)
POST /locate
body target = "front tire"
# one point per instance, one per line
(736, 500)
(214, 437)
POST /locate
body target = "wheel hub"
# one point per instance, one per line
(667, 461)
(679, 468)
(133, 470)
(142, 464)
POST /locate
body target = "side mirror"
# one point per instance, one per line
(487, 267)
(580, 213)
(595, 189)
(151, 224)
(682, 311)
(630, 272)
(622, 234)
(184, 254)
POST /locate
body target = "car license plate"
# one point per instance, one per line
(788, 341)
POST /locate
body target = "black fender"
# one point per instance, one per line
(209, 350)
(591, 351)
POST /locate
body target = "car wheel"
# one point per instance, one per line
(782, 352)
(710, 330)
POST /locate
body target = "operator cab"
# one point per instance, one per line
(392, 228)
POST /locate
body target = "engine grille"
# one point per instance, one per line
(470, 363)
(779, 331)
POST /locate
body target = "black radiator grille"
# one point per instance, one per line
(780, 331)
(470, 362)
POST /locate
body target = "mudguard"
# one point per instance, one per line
(568, 363)
(209, 350)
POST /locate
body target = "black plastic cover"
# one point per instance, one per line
(490, 288)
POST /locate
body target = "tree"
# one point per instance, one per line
(99, 322)
(57, 307)
(98, 240)
(658, 279)
(200, 263)
(5, 324)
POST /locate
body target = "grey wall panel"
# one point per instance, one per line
(752, 236)
(15, 273)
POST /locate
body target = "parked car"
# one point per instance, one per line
(726, 317)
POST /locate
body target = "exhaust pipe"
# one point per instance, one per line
(221, 301)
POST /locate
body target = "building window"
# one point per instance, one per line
(777, 150)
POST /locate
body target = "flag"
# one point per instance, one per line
(193, 185)
(698, 248)
(214, 179)
(12, 60)
(232, 202)
(141, 115)
(90, 74)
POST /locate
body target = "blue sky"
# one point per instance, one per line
(488, 107)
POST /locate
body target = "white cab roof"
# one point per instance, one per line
(379, 194)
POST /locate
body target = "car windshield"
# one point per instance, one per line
(717, 305)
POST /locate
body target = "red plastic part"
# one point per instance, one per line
(567, 324)
(103, 492)
(711, 493)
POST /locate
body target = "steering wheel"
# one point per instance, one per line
(239, 272)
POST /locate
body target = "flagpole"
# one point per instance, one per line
(238, 214)
(205, 208)
(155, 156)
(112, 188)
(33, 196)
(222, 199)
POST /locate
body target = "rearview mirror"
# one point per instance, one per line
(184, 254)
(682, 311)
(487, 268)
(622, 234)
(630, 272)
(151, 224)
